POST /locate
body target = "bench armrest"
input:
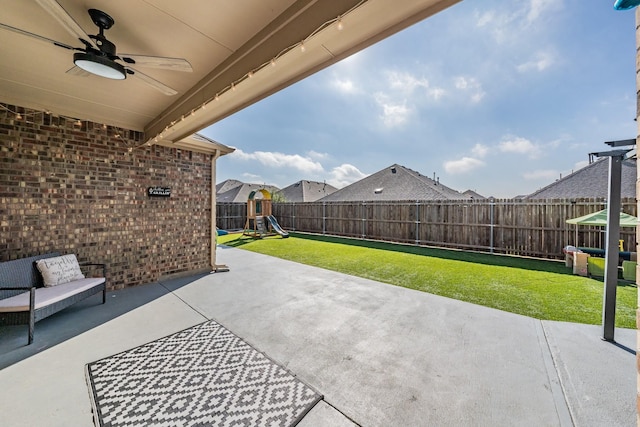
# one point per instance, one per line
(95, 264)
(16, 288)
(11, 290)
(32, 295)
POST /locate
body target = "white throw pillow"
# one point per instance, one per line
(59, 270)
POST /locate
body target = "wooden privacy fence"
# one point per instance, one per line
(231, 216)
(535, 228)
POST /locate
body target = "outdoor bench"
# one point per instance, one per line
(36, 287)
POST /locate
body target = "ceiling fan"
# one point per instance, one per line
(98, 56)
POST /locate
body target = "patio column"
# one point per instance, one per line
(215, 268)
(214, 232)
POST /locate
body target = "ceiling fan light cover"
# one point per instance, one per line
(99, 66)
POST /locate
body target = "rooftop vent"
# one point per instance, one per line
(393, 170)
(378, 190)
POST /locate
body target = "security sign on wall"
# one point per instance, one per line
(159, 191)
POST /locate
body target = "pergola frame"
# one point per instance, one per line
(616, 158)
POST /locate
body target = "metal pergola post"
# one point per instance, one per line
(613, 237)
(612, 251)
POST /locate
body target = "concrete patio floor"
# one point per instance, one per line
(381, 355)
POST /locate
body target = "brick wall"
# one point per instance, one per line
(77, 188)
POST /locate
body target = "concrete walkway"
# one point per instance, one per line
(381, 355)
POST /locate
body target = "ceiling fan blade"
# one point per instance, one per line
(173, 64)
(153, 82)
(61, 15)
(77, 71)
(36, 36)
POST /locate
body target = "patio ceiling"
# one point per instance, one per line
(229, 44)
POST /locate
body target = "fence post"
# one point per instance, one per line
(324, 218)
(293, 215)
(417, 239)
(492, 204)
(364, 207)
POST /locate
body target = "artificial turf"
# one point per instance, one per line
(542, 289)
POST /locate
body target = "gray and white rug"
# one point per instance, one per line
(202, 376)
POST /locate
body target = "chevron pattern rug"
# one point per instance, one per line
(202, 376)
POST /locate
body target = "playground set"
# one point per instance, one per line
(260, 222)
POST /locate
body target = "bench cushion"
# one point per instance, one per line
(59, 270)
(50, 295)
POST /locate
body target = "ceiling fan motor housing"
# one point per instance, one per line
(103, 21)
(106, 47)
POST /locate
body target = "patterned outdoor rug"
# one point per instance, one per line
(202, 376)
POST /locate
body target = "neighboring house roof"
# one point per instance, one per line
(395, 183)
(226, 185)
(307, 191)
(590, 181)
(240, 193)
(472, 194)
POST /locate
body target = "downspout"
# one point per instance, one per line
(215, 268)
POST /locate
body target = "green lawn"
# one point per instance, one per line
(532, 287)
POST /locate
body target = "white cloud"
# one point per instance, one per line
(344, 175)
(538, 8)
(500, 25)
(471, 86)
(462, 83)
(250, 177)
(485, 18)
(406, 85)
(520, 145)
(397, 100)
(540, 62)
(280, 160)
(344, 85)
(406, 82)
(463, 165)
(240, 155)
(480, 150)
(393, 113)
(510, 25)
(319, 156)
(477, 97)
(436, 93)
(541, 175)
(580, 165)
(558, 142)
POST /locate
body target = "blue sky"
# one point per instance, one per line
(498, 97)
